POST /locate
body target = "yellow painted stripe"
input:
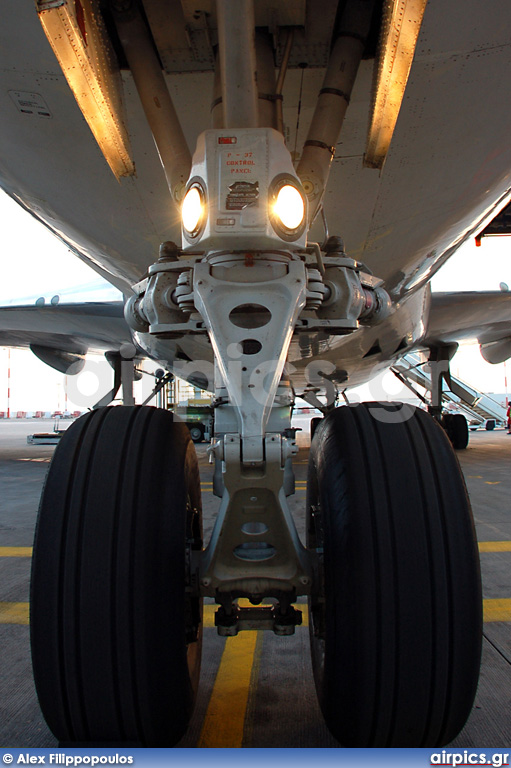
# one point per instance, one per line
(15, 551)
(14, 613)
(497, 610)
(17, 613)
(484, 546)
(225, 717)
(248, 729)
(208, 616)
(495, 546)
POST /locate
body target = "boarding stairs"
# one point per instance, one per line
(477, 406)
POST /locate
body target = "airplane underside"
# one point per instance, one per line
(390, 567)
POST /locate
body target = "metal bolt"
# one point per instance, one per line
(169, 251)
(206, 582)
(334, 245)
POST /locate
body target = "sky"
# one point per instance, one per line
(35, 264)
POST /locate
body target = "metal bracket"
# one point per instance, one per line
(250, 352)
(254, 548)
(263, 617)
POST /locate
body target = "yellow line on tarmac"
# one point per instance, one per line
(225, 717)
(248, 729)
(497, 610)
(495, 546)
(208, 616)
(484, 546)
(15, 551)
(14, 613)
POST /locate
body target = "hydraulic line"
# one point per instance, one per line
(333, 100)
(158, 107)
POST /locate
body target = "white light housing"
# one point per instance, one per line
(192, 210)
(239, 173)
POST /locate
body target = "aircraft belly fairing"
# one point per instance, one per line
(399, 221)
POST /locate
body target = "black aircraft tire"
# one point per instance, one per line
(396, 610)
(116, 642)
(197, 433)
(446, 423)
(315, 422)
(459, 432)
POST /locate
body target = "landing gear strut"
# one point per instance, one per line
(395, 613)
(116, 626)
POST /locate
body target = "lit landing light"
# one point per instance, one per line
(289, 207)
(192, 211)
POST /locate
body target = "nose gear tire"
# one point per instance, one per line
(116, 636)
(396, 611)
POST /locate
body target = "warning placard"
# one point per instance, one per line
(241, 194)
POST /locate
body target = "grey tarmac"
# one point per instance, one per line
(274, 693)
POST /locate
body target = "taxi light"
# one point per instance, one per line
(192, 210)
(289, 207)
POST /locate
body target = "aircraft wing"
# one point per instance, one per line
(485, 316)
(61, 335)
